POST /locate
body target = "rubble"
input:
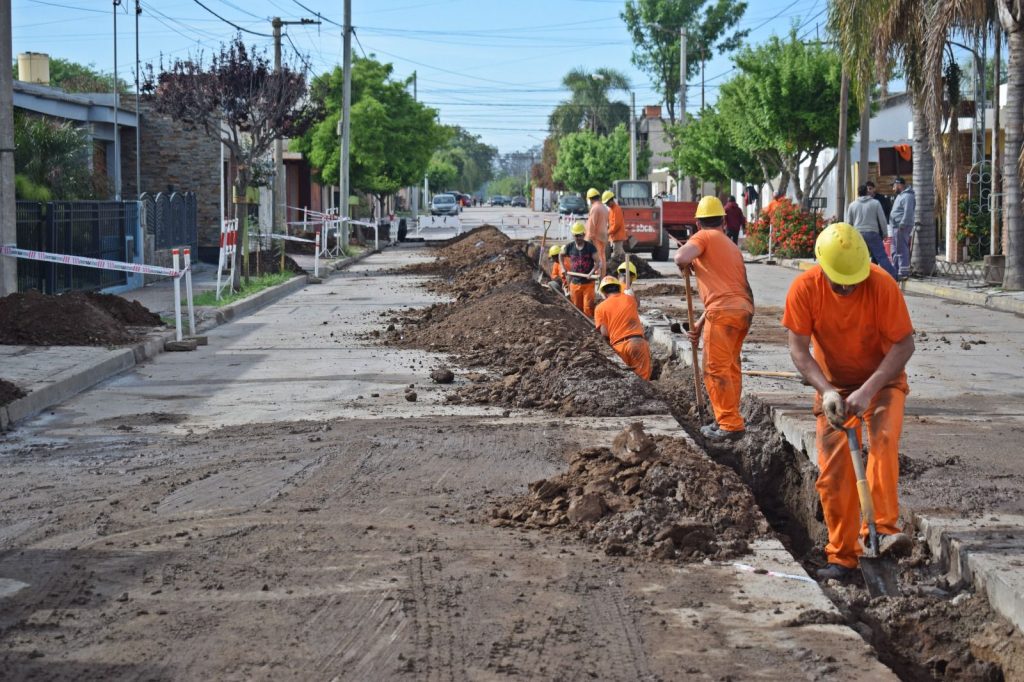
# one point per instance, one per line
(71, 319)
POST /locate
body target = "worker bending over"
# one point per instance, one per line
(597, 228)
(558, 282)
(627, 275)
(578, 256)
(855, 315)
(728, 311)
(616, 225)
(618, 319)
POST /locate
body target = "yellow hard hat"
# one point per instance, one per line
(607, 196)
(710, 207)
(632, 269)
(578, 228)
(554, 251)
(592, 192)
(609, 281)
(843, 254)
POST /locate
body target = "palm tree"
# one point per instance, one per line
(589, 106)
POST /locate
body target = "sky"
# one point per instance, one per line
(494, 68)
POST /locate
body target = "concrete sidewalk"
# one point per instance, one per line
(961, 481)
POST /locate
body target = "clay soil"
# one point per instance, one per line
(72, 319)
(9, 392)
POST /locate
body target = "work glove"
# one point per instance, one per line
(834, 408)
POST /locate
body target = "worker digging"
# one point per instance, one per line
(728, 312)
(579, 258)
(558, 281)
(617, 318)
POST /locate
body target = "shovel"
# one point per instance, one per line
(879, 572)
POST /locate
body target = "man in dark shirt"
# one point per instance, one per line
(880, 198)
(734, 219)
(579, 256)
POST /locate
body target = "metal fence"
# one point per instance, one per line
(171, 218)
(94, 229)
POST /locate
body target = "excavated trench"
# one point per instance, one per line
(936, 631)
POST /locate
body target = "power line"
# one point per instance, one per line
(318, 15)
(57, 4)
(231, 23)
(243, 11)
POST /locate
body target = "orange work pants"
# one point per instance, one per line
(636, 353)
(837, 484)
(582, 296)
(724, 331)
(602, 254)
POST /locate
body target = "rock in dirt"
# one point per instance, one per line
(72, 319)
(442, 375)
(674, 503)
(10, 392)
(410, 396)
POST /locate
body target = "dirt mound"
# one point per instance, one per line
(508, 265)
(71, 319)
(10, 392)
(547, 355)
(131, 313)
(659, 289)
(652, 497)
(644, 271)
(466, 250)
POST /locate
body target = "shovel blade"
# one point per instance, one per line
(879, 576)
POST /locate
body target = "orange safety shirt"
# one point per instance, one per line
(621, 315)
(616, 224)
(597, 223)
(556, 270)
(721, 275)
(851, 334)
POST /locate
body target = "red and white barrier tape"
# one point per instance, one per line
(98, 263)
(289, 238)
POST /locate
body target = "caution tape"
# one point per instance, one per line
(82, 261)
(289, 238)
(350, 221)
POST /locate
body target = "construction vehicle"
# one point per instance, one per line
(642, 216)
(678, 219)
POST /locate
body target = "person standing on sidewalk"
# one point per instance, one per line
(880, 198)
(581, 256)
(728, 311)
(597, 228)
(866, 214)
(617, 318)
(901, 226)
(616, 225)
(734, 219)
(855, 315)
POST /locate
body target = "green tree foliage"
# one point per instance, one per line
(471, 159)
(74, 77)
(654, 26)
(393, 135)
(767, 107)
(705, 149)
(589, 106)
(441, 174)
(51, 160)
(589, 160)
(541, 172)
(509, 186)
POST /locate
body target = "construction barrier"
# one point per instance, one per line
(376, 231)
(176, 272)
(228, 246)
(316, 248)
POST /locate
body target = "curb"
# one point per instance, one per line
(982, 553)
(71, 383)
(1004, 302)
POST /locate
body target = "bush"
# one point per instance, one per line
(794, 235)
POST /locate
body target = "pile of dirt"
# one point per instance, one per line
(71, 319)
(644, 271)
(493, 271)
(546, 354)
(10, 392)
(466, 250)
(131, 313)
(651, 497)
(268, 262)
(659, 289)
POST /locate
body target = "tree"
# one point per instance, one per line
(238, 99)
(393, 135)
(767, 107)
(586, 159)
(51, 160)
(472, 159)
(654, 26)
(441, 174)
(589, 107)
(541, 173)
(704, 149)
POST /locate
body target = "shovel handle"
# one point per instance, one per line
(867, 505)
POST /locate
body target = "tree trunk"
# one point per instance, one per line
(1013, 277)
(922, 260)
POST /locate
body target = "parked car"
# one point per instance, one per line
(499, 200)
(463, 199)
(518, 201)
(444, 204)
(572, 203)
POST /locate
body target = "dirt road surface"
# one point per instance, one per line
(274, 506)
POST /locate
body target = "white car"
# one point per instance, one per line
(444, 204)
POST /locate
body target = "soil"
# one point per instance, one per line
(71, 319)
(131, 313)
(10, 392)
(644, 289)
(653, 497)
(268, 262)
(464, 251)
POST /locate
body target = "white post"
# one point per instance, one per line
(176, 264)
(316, 257)
(220, 256)
(188, 293)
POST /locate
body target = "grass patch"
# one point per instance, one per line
(209, 298)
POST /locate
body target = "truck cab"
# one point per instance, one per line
(642, 216)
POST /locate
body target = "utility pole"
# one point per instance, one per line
(8, 212)
(863, 163)
(138, 113)
(842, 150)
(414, 191)
(117, 104)
(684, 190)
(632, 136)
(995, 227)
(277, 193)
(346, 115)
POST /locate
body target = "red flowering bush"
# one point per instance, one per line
(794, 234)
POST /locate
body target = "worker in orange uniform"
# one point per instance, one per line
(558, 282)
(579, 256)
(597, 228)
(617, 317)
(728, 311)
(616, 225)
(855, 315)
(627, 275)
